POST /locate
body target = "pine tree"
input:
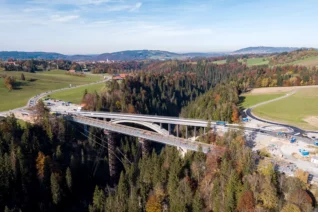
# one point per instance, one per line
(122, 187)
(98, 200)
(68, 178)
(59, 153)
(55, 189)
(197, 203)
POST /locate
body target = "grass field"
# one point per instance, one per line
(257, 61)
(75, 95)
(219, 62)
(309, 61)
(37, 83)
(294, 109)
(249, 100)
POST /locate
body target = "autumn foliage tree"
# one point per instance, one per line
(235, 114)
(302, 175)
(246, 202)
(9, 82)
(153, 204)
(40, 161)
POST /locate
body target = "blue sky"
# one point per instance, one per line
(98, 26)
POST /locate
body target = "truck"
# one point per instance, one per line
(280, 133)
(316, 143)
(303, 152)
(245, 119)
(220, 123)
(292, 140)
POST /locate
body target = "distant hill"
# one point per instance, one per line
(264, 50)
(139, 55)
(30, 55)
(116, 56)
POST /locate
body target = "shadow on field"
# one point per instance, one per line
(32, 80)
(18, 85)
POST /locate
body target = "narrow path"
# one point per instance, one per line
(295, 129)
(33, 100)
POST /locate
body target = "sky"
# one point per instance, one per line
(100, 26)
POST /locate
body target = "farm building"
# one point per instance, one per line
(119, 76)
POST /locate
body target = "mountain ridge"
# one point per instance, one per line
(138, 54)
(264, 50)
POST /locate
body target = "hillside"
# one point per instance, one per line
(5, 55)
(117, 56)
(138, 55)
(264, 50)
(306, 57)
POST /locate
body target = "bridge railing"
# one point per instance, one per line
(165, 139)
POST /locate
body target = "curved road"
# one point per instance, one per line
(295, 129)
(32, 101)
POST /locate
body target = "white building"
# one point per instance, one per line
(314, 159)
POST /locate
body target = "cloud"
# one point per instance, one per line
(59, 18)
(72, 2)
(34, 9)
(136, 7)
(124, 7)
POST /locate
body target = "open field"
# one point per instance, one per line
(75, 95)
(37, 83)
(300, 109)
(219, 62)
(309, 61)
(257, 61)
(249, 100)
(272, 90)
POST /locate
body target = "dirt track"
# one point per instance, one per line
(273, 90)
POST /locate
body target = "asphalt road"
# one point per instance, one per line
(295, 129)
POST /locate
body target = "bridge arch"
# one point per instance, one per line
(149, 125)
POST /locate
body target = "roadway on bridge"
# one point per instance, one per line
(148, 135)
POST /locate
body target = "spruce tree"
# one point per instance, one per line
(68, 178)
(55, 189)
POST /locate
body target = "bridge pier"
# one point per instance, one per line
(177, 130)
(194, 132)
(145, 146)
(169, 128)
(112, 160)
(86, 130)
(186, 132)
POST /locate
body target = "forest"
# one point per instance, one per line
(50, 167)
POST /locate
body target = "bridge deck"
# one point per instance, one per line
(153, 136)
(147, 118)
